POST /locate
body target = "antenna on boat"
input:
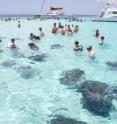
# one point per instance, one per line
(42, 6)
(51, 4)
(108, 4)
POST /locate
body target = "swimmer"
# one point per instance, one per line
(19, 25)
(68, 27)
(72, 27)
(59, 25)
(81, 20)
(102, 40)
(65, 27)
(12, 44)
(69, 31)
(76, 29)
(54, 28)
(77, 46)
(90, 52)
(62, 30)
(32, 37)
(97, 34)
(41, 32)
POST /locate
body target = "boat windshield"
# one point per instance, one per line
(114, 12)
(102, 13)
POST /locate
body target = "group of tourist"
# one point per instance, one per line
(9, 19)
(98, 35)
(65, 29)
(41, 34)
(91, 53)
(75, 20)
(33, 37)
(68, 30)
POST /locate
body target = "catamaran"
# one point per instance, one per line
(56, 11)
(53, 11)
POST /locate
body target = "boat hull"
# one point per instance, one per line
(100, 19)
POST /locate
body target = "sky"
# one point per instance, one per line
(82, 7)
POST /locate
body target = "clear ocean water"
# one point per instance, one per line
(33, 96)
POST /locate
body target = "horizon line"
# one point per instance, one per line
(45, 14)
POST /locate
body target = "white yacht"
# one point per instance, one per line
(108, 14)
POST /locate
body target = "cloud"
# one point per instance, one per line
(107, 1)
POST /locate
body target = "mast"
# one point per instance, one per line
(42, 6)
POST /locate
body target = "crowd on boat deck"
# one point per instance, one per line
(67, 30)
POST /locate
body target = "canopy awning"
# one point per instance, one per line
(55, 8)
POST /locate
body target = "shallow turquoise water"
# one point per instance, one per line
(35, 100)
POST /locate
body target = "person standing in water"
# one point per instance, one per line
(59, 25)
(65, 28)
(97, 34)
(12, 44)
(69, 31)
(77, 46)
(54, 28)
(32, 37)
(102, 40)
(41, 33)
(91, 52)
(19, 25)
(76, 29)
(62, 31)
